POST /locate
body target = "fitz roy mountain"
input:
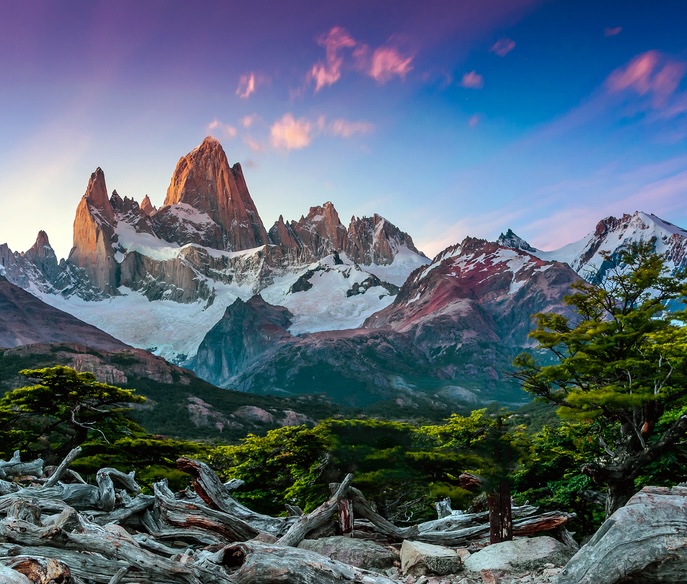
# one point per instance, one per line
(310, 306)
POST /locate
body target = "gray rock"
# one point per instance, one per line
(520, 554)
(419, 559)
(355, 552)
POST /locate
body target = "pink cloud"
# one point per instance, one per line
(387, 62)
(649, 74)
(226, 129)
(329, 72)
(612, 31)
(503, 46)
(474, 120)
(249, 120)
(253, 144)
(346, 129)
(291, 134)
(472, 80)
(246, 86)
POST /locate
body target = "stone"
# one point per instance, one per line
(419, 559)
(520, 554)
(355, 552)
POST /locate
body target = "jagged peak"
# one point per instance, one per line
(511, 239)
(42, 239)
(147, 207)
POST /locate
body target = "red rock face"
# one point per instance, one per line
(147, 207)
(93, 235)
(204, 180)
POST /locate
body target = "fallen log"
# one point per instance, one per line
(271, 564)
(216, 495)
(306, 523)
(645, 541)
(363, 508)
(14, 467)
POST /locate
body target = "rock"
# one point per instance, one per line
(147, 208)
(355, 552)
(204, 180)
(643, 542)
(94, 233)
(520, 554)
(419, 559)
(374, 240)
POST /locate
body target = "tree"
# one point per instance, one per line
(620, 362)
(62, 409)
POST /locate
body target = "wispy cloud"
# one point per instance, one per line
(346, 129)
(253, 144)
(472, 80)
(246, 86)
(387, 62)
(381, 64)
(249, 120)
(289, 133)
(649, 74)
(613, 31)
(328, 72)
(228, 130)
(474, 120)
(503, 46)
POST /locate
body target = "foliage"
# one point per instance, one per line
(62, 410)
(621, 362)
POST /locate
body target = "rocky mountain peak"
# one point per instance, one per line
(96, 196)
(204, 180)
(510, 239)
(147, 208)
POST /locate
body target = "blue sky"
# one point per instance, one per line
(448, 118)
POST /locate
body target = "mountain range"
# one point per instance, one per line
(308, 306)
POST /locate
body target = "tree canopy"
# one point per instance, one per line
(620, 362)
(62, 408)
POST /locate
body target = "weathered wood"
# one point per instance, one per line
(645, 541)
(186, 514)
(317, 518)
(346, 517)
(460, 519)
(42, 570)
(216, 496)
(272, 564)
(58, 473)
(500, 514)
(363, 508)
(14, 467)
(10, 576)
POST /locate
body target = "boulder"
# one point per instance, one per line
(359, 553)
(644, 542)
(520, 554)
(419, 559)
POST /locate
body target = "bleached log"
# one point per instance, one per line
(216, 495)
(10, 576)
(186, 514)
(458, 520)
(271, 564)
(363, 508)
(58, 473)
(14, 467)
(306, 523)
(163, 531)
(41, 570)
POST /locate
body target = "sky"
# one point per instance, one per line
(450, 119)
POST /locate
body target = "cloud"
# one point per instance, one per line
(226, 129)
(502, 47)
(649, 74)
(474, 120)
(616, 30)
(253, 144)
(346, 129)
(328, 72)
(249, 120)
(387, 62)
(291, 134)
(381, 64)
(246, 86)
(472, 80)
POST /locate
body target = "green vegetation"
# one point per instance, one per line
(619, 368)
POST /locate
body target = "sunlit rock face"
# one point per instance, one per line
(204, 181)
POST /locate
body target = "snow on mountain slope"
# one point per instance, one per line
(611, 234)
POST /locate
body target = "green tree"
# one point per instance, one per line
(62, 409)
(620, 361)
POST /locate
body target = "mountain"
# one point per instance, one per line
(586, 256)
(449, 335)
(168, 274)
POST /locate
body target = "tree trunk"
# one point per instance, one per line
(500, 515)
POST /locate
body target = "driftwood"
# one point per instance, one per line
(109, 535)
(645, 541)
(14, 467)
